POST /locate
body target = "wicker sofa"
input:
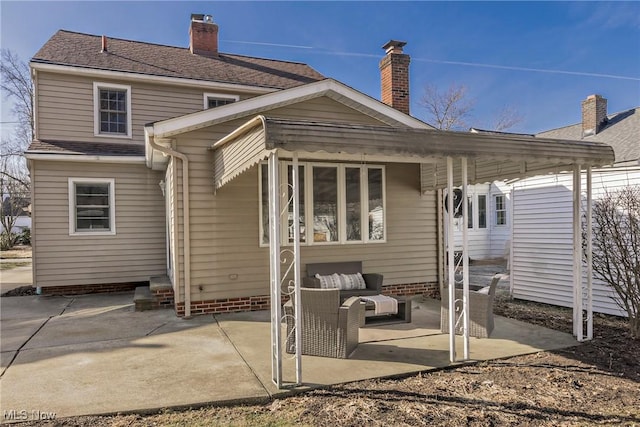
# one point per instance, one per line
(373, 281)
(328, 328)
(480, 310)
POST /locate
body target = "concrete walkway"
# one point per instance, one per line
(94, 355)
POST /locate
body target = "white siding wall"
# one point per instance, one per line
(542, 261)
(486, 242)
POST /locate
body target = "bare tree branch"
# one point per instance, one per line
(507, 118)
(616, 249)
(449, 109)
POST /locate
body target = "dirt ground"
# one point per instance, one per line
(597, 383)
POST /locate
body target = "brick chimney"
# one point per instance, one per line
(394, 74)
(594, 114)
(203, 35)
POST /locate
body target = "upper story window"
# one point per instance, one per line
(501, 210)
(112, 110)
(91, 206)
(213, 100)
(339, 203)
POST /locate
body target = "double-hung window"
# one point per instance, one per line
(112, 110)
(91, 206)
(213, 100)
(339, 204)
(501, 210)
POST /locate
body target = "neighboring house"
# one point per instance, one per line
(542, 209)
(20, 209)
(489, 221)
(149, 161)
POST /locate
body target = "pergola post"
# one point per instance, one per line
(295, 184)
(274, 261)
(589, 254)
(578, 329)
(450, 262)
(465, 259)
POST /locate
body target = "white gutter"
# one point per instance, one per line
(185, 214)
(84, 158)
(120, 75)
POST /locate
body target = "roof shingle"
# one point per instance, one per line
(622, 132)
(84, 50)
(86, 148)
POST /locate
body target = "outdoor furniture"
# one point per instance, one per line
(368, 318)
(480, 310)
(373, 281)
(328, 328)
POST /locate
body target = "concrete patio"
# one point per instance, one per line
(94, 355)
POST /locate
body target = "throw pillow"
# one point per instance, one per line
(329, 282)
(352, 281)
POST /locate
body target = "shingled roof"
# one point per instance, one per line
(622, 132)
(85, 148)
(84, 50)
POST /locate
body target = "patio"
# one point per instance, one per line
(94, 354)
(385, 351)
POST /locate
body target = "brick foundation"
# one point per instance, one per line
(262, 302)
(163, 298)
(431, 289)
(90, 289)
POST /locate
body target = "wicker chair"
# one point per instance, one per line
(480, 311)
(328, 328)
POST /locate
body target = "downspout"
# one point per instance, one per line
(185, 213)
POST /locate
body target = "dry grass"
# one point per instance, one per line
(16, 252)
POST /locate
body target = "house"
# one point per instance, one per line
(163, 164)
(542, 215)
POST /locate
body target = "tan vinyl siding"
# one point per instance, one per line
(226, 259)
(323, 109)
(65, 106)
(134, 253)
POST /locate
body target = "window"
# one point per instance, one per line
(91, 206)
(339, 203)
(501, 211)
(482, 211)
(213, 100)
(112, 110)
(470, 212)
(325, 203)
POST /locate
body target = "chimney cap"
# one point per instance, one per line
(394, 46)
(202, 18)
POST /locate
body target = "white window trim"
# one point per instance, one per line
(96, 109)
(308, 182)
(504, 208)
(72, 206)
(208, 95)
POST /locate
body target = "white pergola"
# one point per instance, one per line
(448, 160)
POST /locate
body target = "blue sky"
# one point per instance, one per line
(541, 58)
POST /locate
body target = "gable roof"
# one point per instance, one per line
(67, 48)
(622, 132)
(257, 105)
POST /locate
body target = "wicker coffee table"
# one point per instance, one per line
(368, 318)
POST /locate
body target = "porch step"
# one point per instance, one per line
(142, 299)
